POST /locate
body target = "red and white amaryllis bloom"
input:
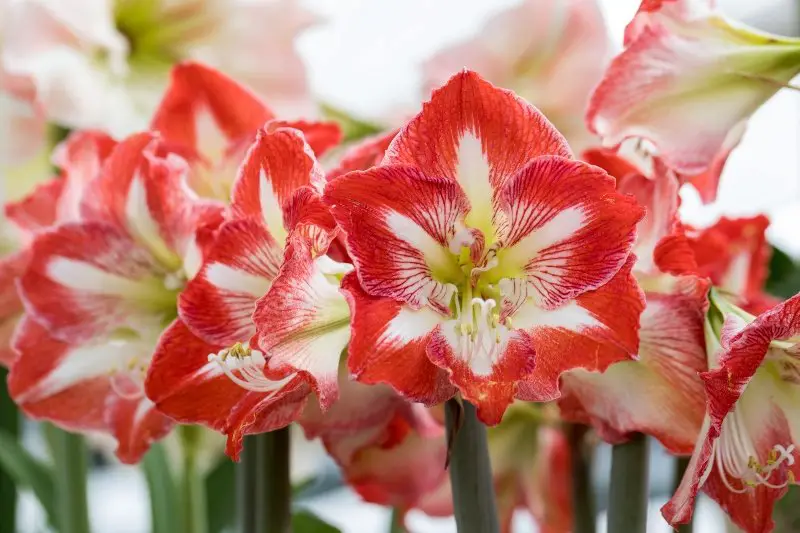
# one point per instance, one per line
(264, 323)
(211, 120)
(669, 400)
(687, 81)
(747, 454)
(99, 291)
(735, 255)
(550, 52)
(480, 245)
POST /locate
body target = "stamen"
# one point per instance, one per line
(249, 364)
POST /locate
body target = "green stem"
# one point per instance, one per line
(274, 486)
(192, 492)
(470, 471)
(397, 525)
(246, 486)
(680, 468)
(9, 423)
(71, 459)
(627, 507)
(582, 495)
(162, 490)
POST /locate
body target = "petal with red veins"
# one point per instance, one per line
(487, 377)
(196, 91)
(661, 394)
(136, 424)
(306, 214)
(303, 322)
(320, 136)
(39, 209)
(87, 279)
(565, 231)
(398, 225)
(190, 389)
(218, 304)
(597, 329)
(11, 308)
(364, 155)
(389, 345)
(510, 132)
(277, 164)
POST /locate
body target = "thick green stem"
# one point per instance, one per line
(10, 424)
(162, 490)
(192, 485)
(470, 471)
(247, 475)
(627, 506)
(71, 459)
(680, 468)
(582, 494)
(396, 525)
(274, 486)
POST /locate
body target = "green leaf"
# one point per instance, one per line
(163, 491)
(784, 275)
(353, 128)
(28, 472)
(221, 494)
(306, 522)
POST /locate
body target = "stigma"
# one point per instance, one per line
(245, 367)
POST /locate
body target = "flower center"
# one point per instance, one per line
(736, 458)
(245, 367)
(128, 381)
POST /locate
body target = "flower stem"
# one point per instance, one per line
(192, 486)
(247, 485)
(274, 487)
(680, 468)
(470, 471)
(9, 423)
(396, 525)
(71, 460)
(582, 495)
(627, 508)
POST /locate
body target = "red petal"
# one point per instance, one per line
(11, 268)
(218, 303)
(600, 328)
(389, 343)
(195, 88)
(307, 215)
(511, 131)
(87, 279)
(303, 323)
(277, 164)
(136, 424)
(39, 209)
(320, 136)
(364, 155)
(566, 229)
(398, 226)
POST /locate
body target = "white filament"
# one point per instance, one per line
(250, 366)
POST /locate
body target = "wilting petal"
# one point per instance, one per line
(136, 424)
(87, 279)
(398, 225)
(661, 394)
(688, 82)
(597, 329)
(303, 322)
(565, 230)
(389, 343)
(734, 254)
(218, 303)
(277, 164)
(364, 155)
(189, 388)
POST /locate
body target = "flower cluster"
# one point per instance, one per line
(237, 269)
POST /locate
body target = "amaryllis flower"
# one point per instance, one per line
(747, 453)
(687, 81)
(550, 52)
(45, 204)
(263, 324)
(480, 246)
(103, 64)
(664, 380)
(211, 120)
(735, 254)
(99, 291)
